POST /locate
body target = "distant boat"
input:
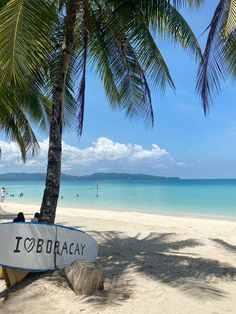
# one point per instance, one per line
(40, 246)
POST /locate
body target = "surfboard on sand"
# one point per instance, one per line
(37, 247)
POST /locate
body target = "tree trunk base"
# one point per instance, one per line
(85, 278)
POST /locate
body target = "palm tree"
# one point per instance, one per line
(49, 45)
(219, 58)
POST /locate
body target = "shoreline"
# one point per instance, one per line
(123, 211)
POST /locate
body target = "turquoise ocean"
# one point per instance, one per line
(177, 197)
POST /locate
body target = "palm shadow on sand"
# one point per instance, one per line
(159, 258)
(228, 247)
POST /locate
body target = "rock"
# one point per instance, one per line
(85, 278)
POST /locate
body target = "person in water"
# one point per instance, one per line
(3, 194)
(19, 218)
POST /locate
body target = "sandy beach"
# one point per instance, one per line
(152, 264)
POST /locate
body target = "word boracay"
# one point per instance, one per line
(49, 246)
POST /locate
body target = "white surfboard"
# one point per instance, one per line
(40, 246)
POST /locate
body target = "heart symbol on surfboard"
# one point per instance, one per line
(29, 244)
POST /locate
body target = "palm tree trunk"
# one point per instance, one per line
(53, 176)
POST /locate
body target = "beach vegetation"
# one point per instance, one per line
(47, 48)
(17, 111)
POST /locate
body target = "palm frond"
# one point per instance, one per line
(122, 65)
(161, 16)
(25, 30)
(230, 23)
(229, 53)
(150, 57)
(37, 107)
(136, 29)
(134, 89)
(213, 65)
(3, 2)
(187, 3)
(99, 56)
(81, 61)
(172, 25)
(15, 123)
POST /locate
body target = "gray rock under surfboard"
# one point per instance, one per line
(41, 246)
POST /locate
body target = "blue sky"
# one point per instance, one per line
(182, 143)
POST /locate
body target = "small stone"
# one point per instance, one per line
(126, 296)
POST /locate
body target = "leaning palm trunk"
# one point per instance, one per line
(53, 176)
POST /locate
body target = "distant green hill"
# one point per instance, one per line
(11, 176)
(124, 176)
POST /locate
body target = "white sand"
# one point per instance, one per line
(153, 264)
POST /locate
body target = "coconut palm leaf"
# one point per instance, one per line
(3, 2)
(229, 53)
(137, 33)
(100, 57)
(187, 3)
(15, 123)
(230, 18)
(25, 30)
(37, 108)
(119, 66)
(161, 16)
(219, 55)
(173, 26)
(110, 29)
(79, 60)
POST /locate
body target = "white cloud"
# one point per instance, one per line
(102, 154)
(181, 163)
(155, 153)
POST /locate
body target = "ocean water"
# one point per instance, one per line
(178, 197)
